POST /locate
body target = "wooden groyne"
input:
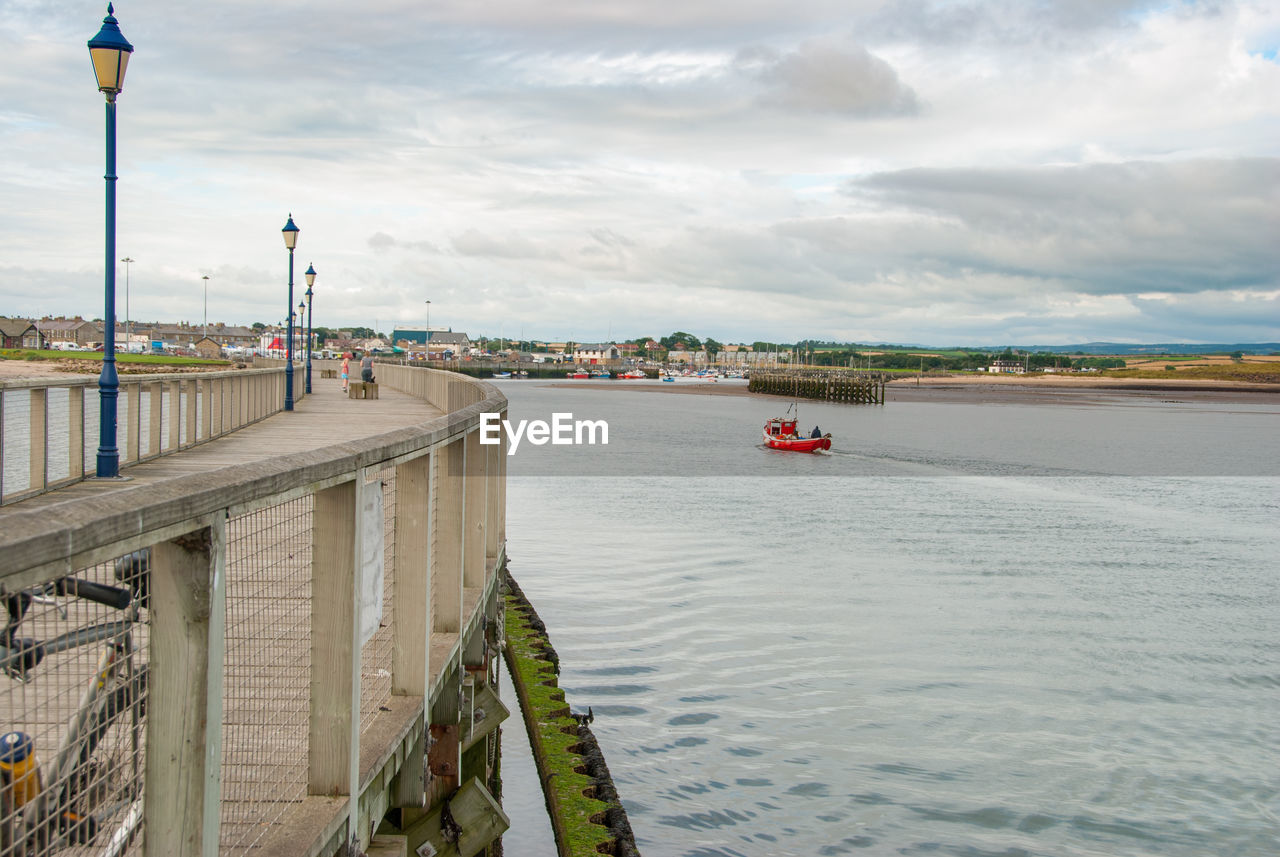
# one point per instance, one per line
(853, 388)
(586, 815)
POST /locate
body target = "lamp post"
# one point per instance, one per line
(311, 281)
(109, 51)
(302, 313)
(205, 277)
(290, 233)
(128, 333)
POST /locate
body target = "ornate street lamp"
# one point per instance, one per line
(128, 332)
(311, 281)
(109, 51)
(290, 233)
(205, 277)
(302, 313)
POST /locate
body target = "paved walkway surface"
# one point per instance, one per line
(324, 418)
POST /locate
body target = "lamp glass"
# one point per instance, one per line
(311, 276)
(108, 66)
(290, 233)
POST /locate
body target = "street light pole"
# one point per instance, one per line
(311, 281)
(205, 277)
(128, 335)
(290, 233)
(109, 51)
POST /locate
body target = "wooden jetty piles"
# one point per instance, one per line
(838, 385)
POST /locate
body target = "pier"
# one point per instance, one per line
(827, 385)
(292, 649)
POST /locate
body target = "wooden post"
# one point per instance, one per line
(333, 751)
(175, 415)
(410, 670)
(191, 397)
(184, 723)
(75, 442)
(135, 421)
(447, 558)
(476, 510)
(155, 393)
(206, 407)
(39, 437)
(492, 529)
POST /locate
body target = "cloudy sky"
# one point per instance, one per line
(930, 171)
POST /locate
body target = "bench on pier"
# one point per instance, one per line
(363, 390)
(328, 373)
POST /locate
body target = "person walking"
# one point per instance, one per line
(346, 371)
(366, 367)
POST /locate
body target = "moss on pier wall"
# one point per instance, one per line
(586, 815)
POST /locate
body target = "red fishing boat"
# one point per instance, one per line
(780, 433)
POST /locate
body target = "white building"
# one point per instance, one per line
(596, 352)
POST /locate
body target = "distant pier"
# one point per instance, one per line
(853, 388)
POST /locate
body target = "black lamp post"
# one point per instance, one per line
(311, 281)
(290, 233)
(109, 51)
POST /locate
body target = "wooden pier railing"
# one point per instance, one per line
(49, 426)
(294, 656)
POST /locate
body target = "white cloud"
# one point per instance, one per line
(957, 170)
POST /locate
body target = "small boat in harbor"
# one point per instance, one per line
(781, 433)
(577, 373)
(632, 374)
(502, 374)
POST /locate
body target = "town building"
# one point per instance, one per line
(68, 331)
(19, 333)
(596, 352)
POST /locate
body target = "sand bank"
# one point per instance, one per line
(1012, 390)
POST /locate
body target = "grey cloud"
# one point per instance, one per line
(381, 242)
(475, 243)
(827, 76)
(1107, 228)
(999, 22)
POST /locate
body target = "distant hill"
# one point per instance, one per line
(1157, 348)
(1091, 348)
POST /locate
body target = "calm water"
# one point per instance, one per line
(973, 630)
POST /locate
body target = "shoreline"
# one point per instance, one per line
(974, 390)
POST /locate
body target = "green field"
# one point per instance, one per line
(96, 357)
(1255, 373)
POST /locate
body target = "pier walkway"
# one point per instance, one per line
(306, 664)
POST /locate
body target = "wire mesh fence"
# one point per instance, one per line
(75, 655)
(267, 670)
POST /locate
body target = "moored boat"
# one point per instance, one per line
(781, 433)
(577, 373)
(632, 374)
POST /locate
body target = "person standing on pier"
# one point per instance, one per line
(366, 367)
(346, 370)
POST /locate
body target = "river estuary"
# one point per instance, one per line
(973, 629)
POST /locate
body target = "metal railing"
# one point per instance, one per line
(49, 426)
(267, 698)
